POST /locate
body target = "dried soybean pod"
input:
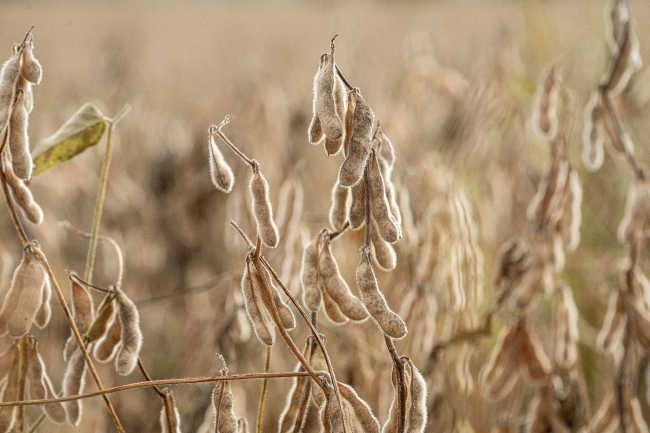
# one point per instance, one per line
(44, 312)
(335, 285)
(55, 411)
(242, 425)
(28, 93)
(545, 101)
(23, 196)
(131, 339)
(8, 79)
(311, 296)
(332, 310)
(389, 322)
(12, 296)
(19, 140)
(262, 209)
(565, 349)
(417, 415)
(35, 372)
(315, 132)
(82, 312)
(391, 425)
(501, 372)
(325, 103)
(31, 68)
(331, 411)
(104, 317)
(262, 323)
(351, 170)
(261, 285)
(620, 141)
(627, 61)
(593, 135)
(220, 172)
(365, 420)
(11, 393)
(358, 206)
(109, 343)
(636, 221)
(293, 415)
(222, 399)
(339, 207)
(382, 251)
(7, 359)
(170, 419)
(334, 146)
(391, 195)
(349, 121)
(74, 380)
(31, 296)
(388, 228)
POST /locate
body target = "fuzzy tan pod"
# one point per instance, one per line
(25, 296)
(593, 134)
(351, 170)
(8, 78)
(339, 207)
(19, 139)
(311, 296)
(257, 313)
(636, 222)
(222, 399)
(108, 344)
(31, 68)
(611, 335)
(263, 285)
(83, 313)
(74, 381)
(389, 322)
(23, 196)
(325, 98)
(220, 172)
(565, 350)
(263, 210)
(131, 337)
(379, 205)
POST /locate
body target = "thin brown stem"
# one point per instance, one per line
(260, 413)
(340, 74)
(146, 376)
(73, 275)
(335, 235)
(217, 130)
(78, 336)
(136, 385)
(12, 210)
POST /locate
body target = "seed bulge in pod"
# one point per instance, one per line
(37, 389)
(222, 399)
(336, 286)
(388, 228)
(170, 419)
(334, 146)
(74, 381)
(104, 317)
(28, 93)
(339, 207)
(269, 293)
(8, 78)
(357, 213)
(417, 415)
(332, 310)
(382, 251)
(31, 68)
(359, 148)
(131, 339)
(293, 416)
(311, 296)
(107, 346)
(361, 417)
(19, 141)
(220, 172)
(31, 296)
(82, 312)
(11, 393)
(325, 99)
(315, 132)
(593, 135)
(44, 312)
(55, 411)
(389, 322)
(262, 209)
(259, 316)
(23, 196)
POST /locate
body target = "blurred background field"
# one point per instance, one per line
(451, 82)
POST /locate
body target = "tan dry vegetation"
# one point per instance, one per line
(452, 84)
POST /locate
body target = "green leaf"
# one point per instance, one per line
(84, 129)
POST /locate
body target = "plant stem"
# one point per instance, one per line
(260, 413)
(77, 335)
(22, 379)
(217, 130)
(101, 194)
(401, 391)
(146, 384)
(12, 211)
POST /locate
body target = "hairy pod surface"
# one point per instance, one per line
(593, 134)
(417, 414)
(361, 419)
(379, 206)
(334, 146)
(325, 103)
(389, 322)
(222, 399)
(545, 101)
(11, 393)
(357, 213)
(382, 251)
(262, 210)
(636, 222)
(220, 172)
(44, 313)
(37, 389)
(257, 313)
(351, 105)
(351, 170)
(27, 95)
(565, 349)
(131, 336)
(262, 284)
(331, 308)
(339, 207)
(8, 79)
(30, 299)
(19, 140)
(394, 412)
(104, 316)
(108, 344)
(82, 312)
(293, 415)
(54, 411)
(74, 381)
(311, 296)
(31, 68)
(23, 196)
(315, 131)
(335, 286)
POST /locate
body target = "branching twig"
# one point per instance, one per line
(217, 130)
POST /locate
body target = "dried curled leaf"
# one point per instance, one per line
(84, 129)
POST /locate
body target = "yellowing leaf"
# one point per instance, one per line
(84, 129)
